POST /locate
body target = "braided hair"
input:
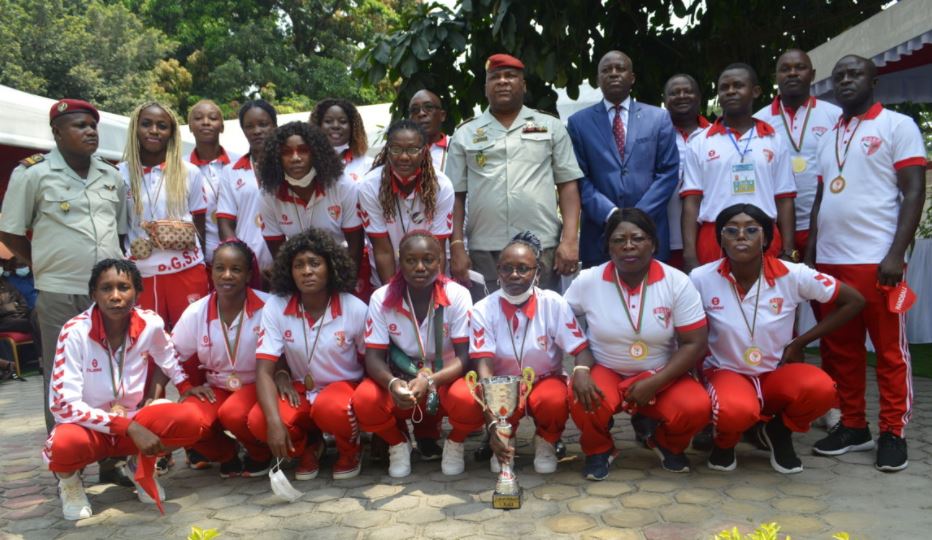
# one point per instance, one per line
(328, 166)
(426, 182)
(358, 142)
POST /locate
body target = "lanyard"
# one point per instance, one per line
(734, 142)
(231, 352)
(298, 211)
(838, 159)
(789, 133)
(417, 329)
(158, 192)
(624, 303)
(519, 358)
(753, 325)
(110, 355)
(320, 328)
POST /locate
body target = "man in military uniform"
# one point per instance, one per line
(74, 204)
(507, 162)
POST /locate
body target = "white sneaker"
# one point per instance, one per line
(452, 462)
(74, 503)
(399, 460)
(545, 456)
(140, 492)
(828, 420)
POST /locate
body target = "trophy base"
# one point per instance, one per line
(511, 501)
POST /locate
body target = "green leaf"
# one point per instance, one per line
(408, 66)
(421, 47)
(457, 41)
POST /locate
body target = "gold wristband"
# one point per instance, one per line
(587, 368)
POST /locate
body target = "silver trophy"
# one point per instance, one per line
(502, 396)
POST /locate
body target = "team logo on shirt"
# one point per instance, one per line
(205, 340)
(870, 144)
(715, 304)
(393, 329)
(340, 337)
(95, 367)
(542, 342)
(287, 336)
(285, 220)
(776, 305)
(334, 212)
(663, 315)
(769, 153)
(713, 155)
(818, 131)
(240, 183)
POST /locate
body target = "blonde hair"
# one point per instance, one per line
(210, 102)
(175, 174)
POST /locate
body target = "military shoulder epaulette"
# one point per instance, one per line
(464, 122)
(548, 113)
(104, 161)
(32, 160)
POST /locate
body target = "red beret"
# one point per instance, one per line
(499, 61)
(70, 106)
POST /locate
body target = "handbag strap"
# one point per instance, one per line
(438, 339)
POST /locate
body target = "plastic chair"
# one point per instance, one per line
(16, 339)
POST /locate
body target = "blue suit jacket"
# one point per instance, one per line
(645, 179)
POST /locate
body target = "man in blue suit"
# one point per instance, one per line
(627, 152)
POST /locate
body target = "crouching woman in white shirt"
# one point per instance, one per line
(98, 391)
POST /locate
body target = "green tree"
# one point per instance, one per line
(561, 43)
(90, 50)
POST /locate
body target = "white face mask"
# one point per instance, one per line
(519, 299)
(304, 181)
(23, 271)
(340, 149)
(280, 484)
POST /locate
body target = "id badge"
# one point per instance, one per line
(744, 179)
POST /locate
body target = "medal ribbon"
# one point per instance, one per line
(624, 302)
(320, 327)
(113, 382)
(158, 192)
(838, 159)
(753, 325)
(231, 352)
(734, 142)
(417, 328)
(519, 358)
(789, 133)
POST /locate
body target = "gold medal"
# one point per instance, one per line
(309, 382)
(480, 159)
(753, 356)
(118, 410)
(639, 350)
(837, 185)
(65, 207)
(799, 164)
(234, 383)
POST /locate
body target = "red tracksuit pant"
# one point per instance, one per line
(547, 405)
(377, 413)
(682, 409)
(844, 355)
(229, 412)
(330, 413)
(170, 294)
(71, 446)
(799, 393)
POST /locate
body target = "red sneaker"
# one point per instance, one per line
(347, 466)
(308, 467)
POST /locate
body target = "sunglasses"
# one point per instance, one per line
(301, 149)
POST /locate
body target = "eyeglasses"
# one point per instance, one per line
(428, 108)
(622, 240)
(410, 150)
(522, 270)
(301, 149)
(751, 231)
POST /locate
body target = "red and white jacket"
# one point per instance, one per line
(81, 388)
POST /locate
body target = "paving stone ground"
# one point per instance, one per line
(638, 501)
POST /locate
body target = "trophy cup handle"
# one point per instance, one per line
(472, 381)
(527, 377)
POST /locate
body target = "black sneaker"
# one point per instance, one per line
(429, 449)
(231, 468)
(644, 428)
(722, 459)
(841, 440)
(163, 463)
(755, 437)
(676, 463)
(702, 441)
(779, 440)
(196, 460)
(483, 452)
(559, 449)
(114, 472)
(597, 465)
(891, 453)
(253, 469)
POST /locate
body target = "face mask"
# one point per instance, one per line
(280, 484)
(6, 273)
(520, 298)
(340, 149)
(304, 181)
(21, 272)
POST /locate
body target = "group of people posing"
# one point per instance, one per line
(157, 271)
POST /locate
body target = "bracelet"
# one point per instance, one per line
(281, 371)
(587, 368)
(454, 242)
(391, 382)
(491, 425)
(430, 379)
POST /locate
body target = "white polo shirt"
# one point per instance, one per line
(409, 213)
(671, 304)
(198, 332)
(241, 200)
(857, 219)
(395, 324)
(784, 286)
(84, 374)
(710, 170)
(818, 118)
(338, 354)
(155, 207)
(212, 171)
(438, 153)
(675, 205)
(535, 334)
(333, 210)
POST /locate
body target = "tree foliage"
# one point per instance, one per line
(561, 43)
